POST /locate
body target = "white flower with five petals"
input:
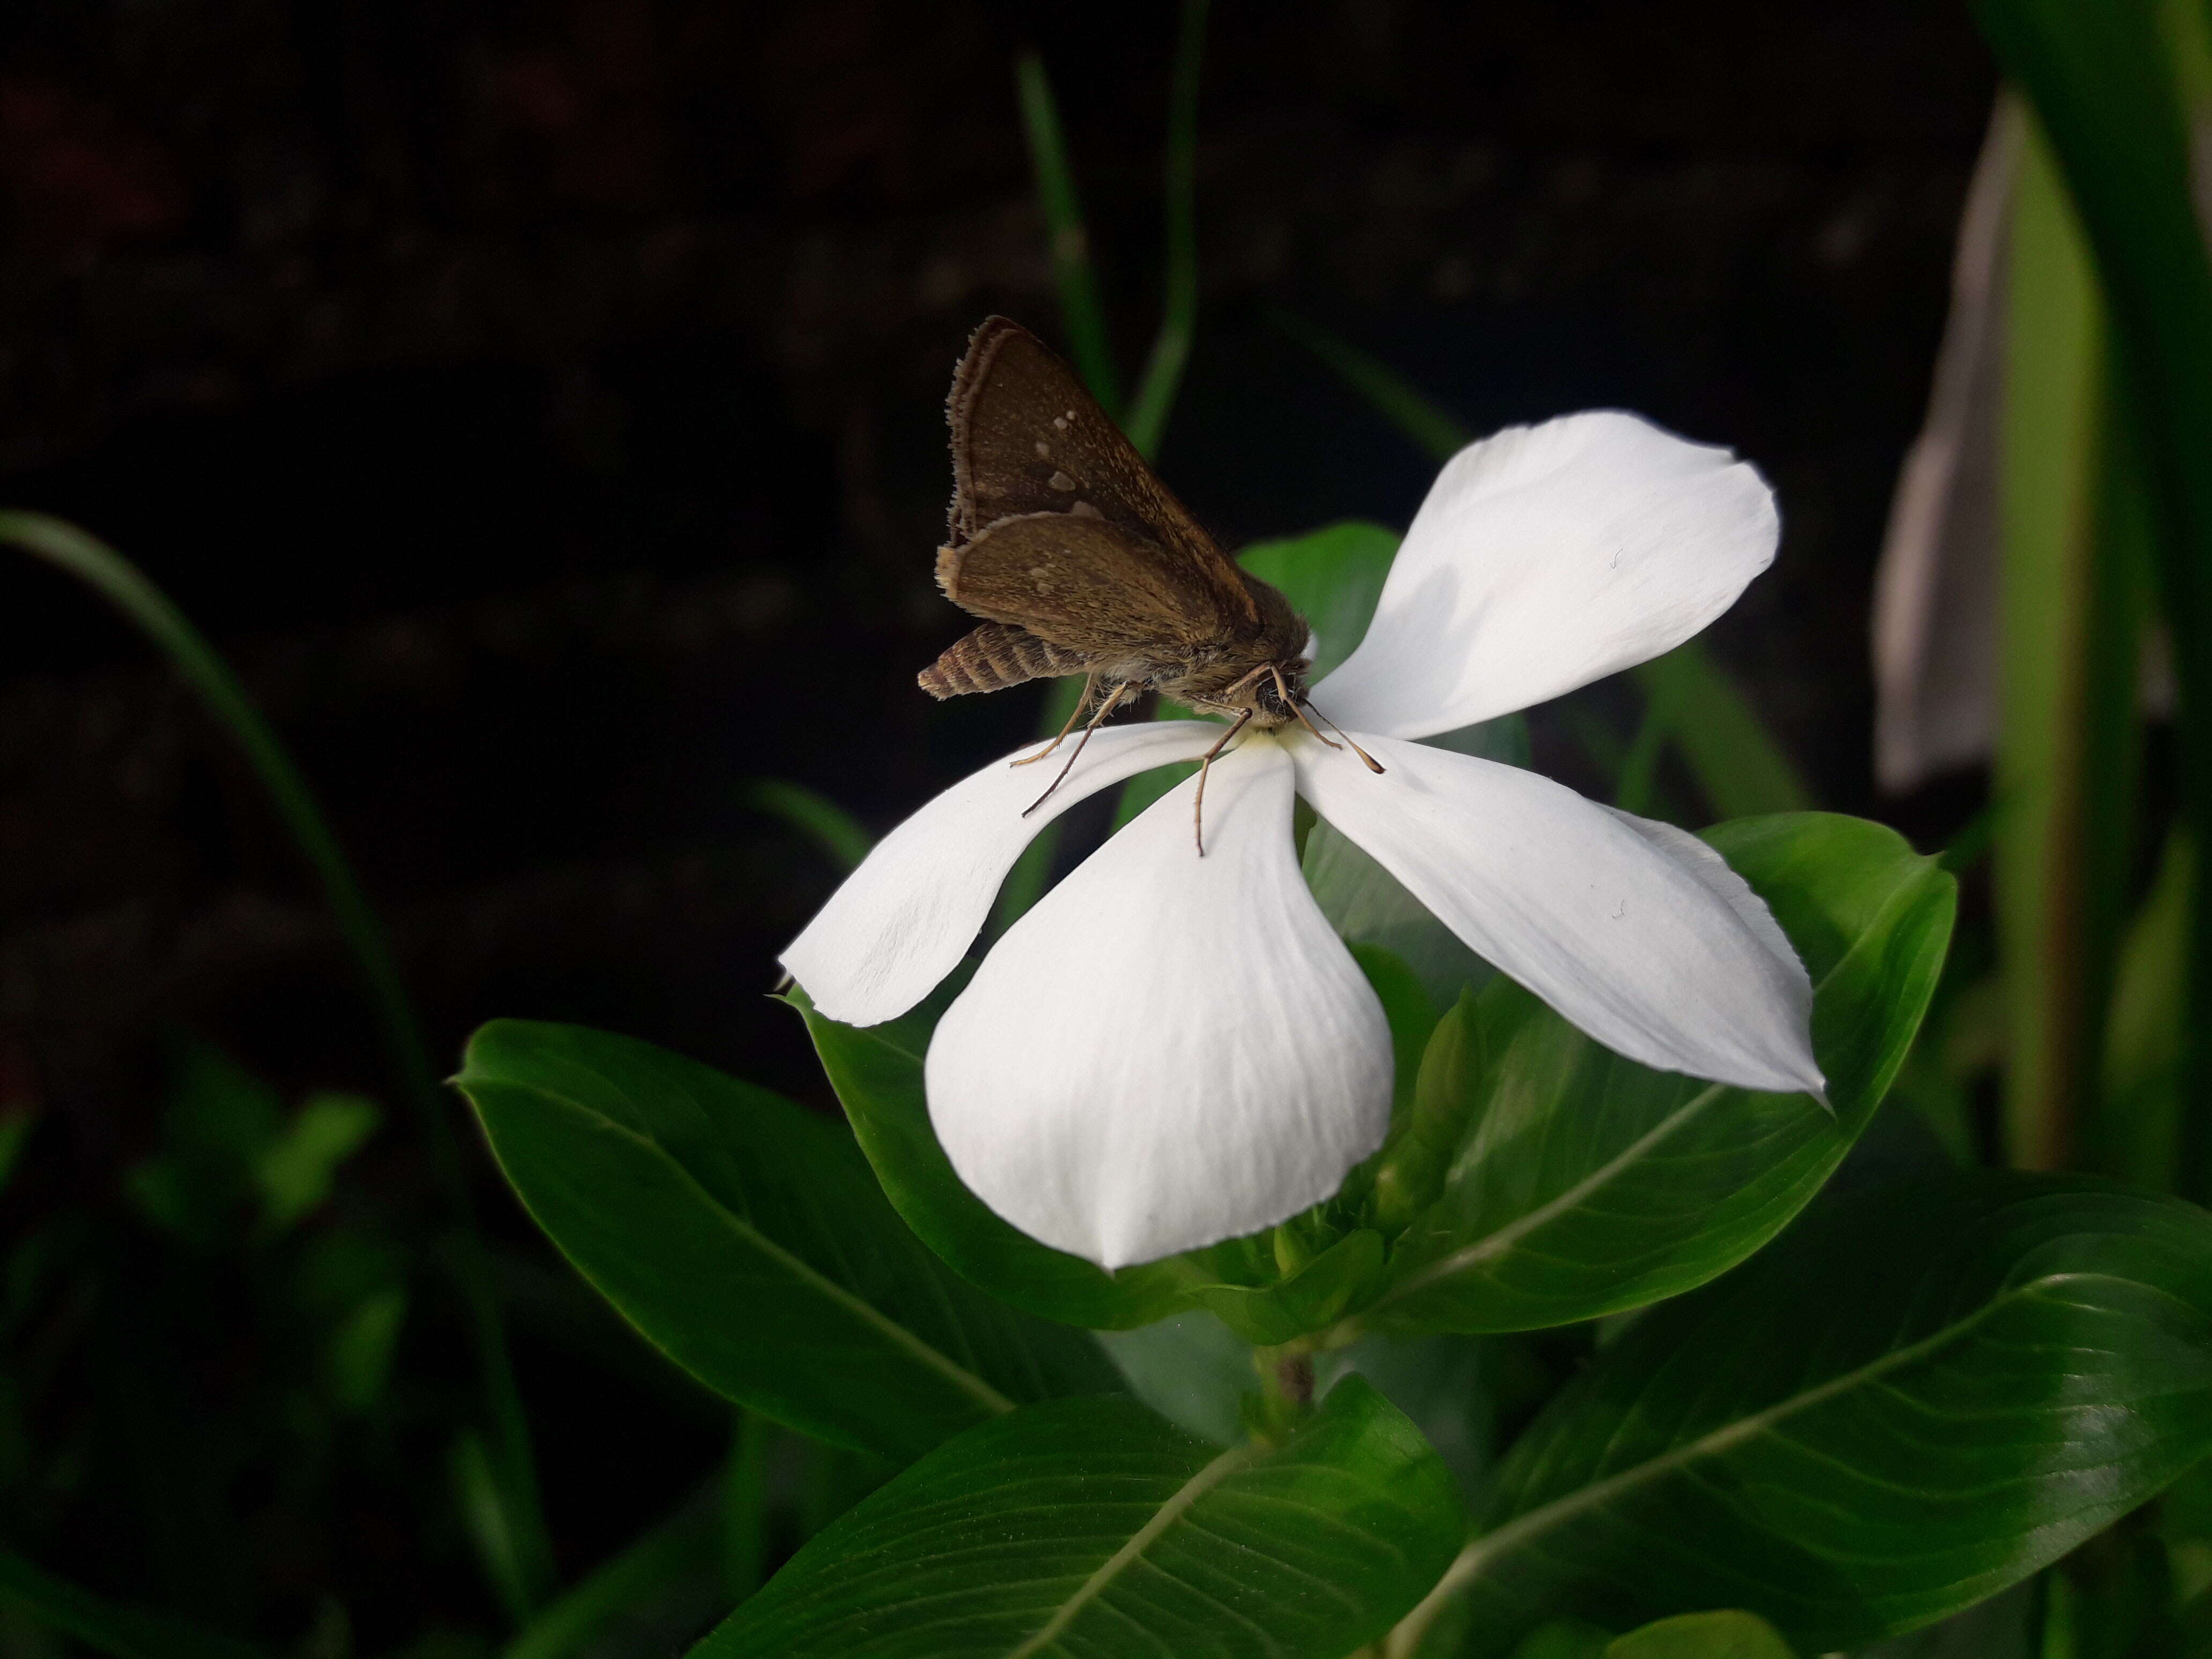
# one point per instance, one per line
(1169, 1049)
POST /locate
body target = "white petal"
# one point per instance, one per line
(1642, 949)
(1167, 1050)
(1710, 867)
(1546, 558)
(903, 921)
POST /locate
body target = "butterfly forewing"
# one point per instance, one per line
(1028, 439)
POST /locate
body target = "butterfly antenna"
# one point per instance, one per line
(1073, 715)
(1373, 765)
(1104, 709)
(1206, 765)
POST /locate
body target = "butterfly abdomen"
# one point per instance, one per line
(991, 658)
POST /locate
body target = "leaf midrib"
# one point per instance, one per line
(1542, 1519)
(936, 1359)
(1511, 1233)
(1173, 1509)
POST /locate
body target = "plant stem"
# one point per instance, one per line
(123, 585)
(1080, 310)
(2100, 79)
(1162, 378)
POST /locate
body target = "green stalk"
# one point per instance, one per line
(1085, 321)
(1082, 315)
(120, 1633)
(1690, 699)
(1163, 378)
(2067, 750)
(686, 1545)
(2100, 79)
(123, 585)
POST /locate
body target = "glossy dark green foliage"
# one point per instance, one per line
(1584, 1184)
(747, 1239)
(1920, 1397)
(1094, 1527)
(877, 1073)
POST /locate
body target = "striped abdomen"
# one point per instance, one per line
(995, 656)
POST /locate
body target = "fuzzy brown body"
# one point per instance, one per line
(1080, 562)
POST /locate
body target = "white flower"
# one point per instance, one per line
(1169, 1050)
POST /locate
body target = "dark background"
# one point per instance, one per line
(542, 405)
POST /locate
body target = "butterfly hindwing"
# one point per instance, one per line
(1084, 584)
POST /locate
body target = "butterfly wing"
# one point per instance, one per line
(1027, 438)
(1086, 585)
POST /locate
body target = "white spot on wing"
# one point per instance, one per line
(1043, 450)
(1061, 481)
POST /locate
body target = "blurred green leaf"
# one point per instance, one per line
(2076, 568)
(879, 1079)
(121, 1632)
(747, 1239)
(1742, 771)
(814, 815)
(1587, 1184)
(1093, 1527)
(2136, 1132)
(357, 1357)
(674, 1568)
(1726, 1635)
(481, 1496)
(295, 1168)
(2105, 88)
(1914, 1401)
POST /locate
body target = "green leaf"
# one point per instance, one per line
(1332, 576)
(1192, 1370)
(121, 1632)
(1562, 1638)
(357, 1357)
(1920, 1397)
(294, 1170)
(1093, 1527)
(840, 836)
(745, 1238)
(673, 1569)
(878, 1079)
(1726, 1635)
(1586, 1184)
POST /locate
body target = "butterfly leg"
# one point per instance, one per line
(1104, 709)
(1197, 805)
(1089, 689)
